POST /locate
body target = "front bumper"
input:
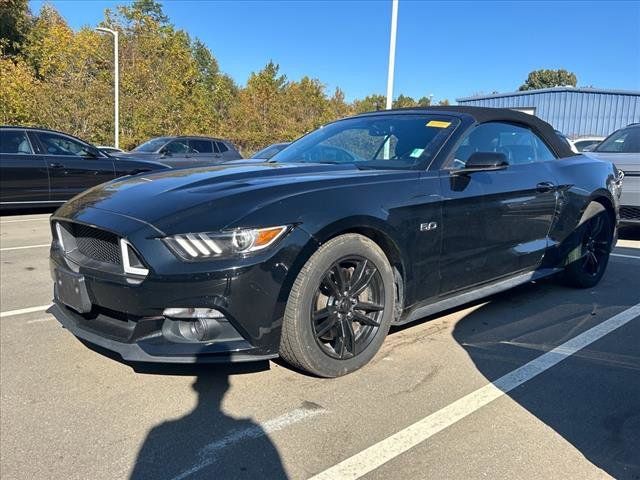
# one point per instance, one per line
(154, 347)
(126, 313)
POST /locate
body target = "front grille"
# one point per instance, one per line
(95, 244)
(630, 213)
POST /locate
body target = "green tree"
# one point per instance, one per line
(424, 101)
(549, 78)
(15, 22)
(404, 101)
(370, 103)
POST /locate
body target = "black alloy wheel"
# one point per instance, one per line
(596, 245)
(588, 260)
(340, 307)
(347, 307)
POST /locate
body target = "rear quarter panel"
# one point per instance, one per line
(581, 180)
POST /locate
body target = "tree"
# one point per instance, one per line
(424, 102)
(444, 102)
(15, 22)
(548, 79)
(404, 101)
(370, 103)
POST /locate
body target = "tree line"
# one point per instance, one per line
(170, 83)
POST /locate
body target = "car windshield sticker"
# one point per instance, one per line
(416, 152)
(438, 124)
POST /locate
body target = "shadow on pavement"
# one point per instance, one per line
(202, 443)
(206, 442)
(592, 399)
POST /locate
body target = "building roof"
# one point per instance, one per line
(601, 91)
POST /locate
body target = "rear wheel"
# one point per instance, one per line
(340, 308)
(587, 262)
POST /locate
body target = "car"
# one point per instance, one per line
(413, 212)
(566, 140)
(585, 144)
(183, 151)
(45, 168)
(107, 149)
(268, 152)
(622, 148)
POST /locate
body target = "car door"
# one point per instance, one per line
(496, 222)
(202, 152)
(227, 152)
(176, 153)
(23, 175)
(74, 166)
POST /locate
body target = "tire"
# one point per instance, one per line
(326, 332)
(586, 263)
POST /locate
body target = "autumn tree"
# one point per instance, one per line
(15, 23)
(549, 78)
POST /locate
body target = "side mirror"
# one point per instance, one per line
(484, 161)
(165, 151)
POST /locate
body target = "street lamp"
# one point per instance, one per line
(392, 52)
(117, 82)
(392, 60)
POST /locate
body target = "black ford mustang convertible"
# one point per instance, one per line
(367, 222)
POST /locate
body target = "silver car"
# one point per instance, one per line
(622, 148)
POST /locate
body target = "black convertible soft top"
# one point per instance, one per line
(485, 114)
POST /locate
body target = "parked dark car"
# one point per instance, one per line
(41, 168)
(416, 212)
(268, 152)
(622, 148)
(180, 152)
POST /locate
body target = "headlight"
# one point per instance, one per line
(203, 246)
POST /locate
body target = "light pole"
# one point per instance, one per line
(116, 112)
(392, 62)
(392, 52)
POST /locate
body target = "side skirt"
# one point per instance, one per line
(485, 291)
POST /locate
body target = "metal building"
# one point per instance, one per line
(575, 112)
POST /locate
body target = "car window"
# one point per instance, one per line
(60, 145)
(177, 147)
(151, 146)
(270, 151)
(201, 146)
(221, 147)
(14, 141)
(582, 144)
(519, 144)
(624, 141)
(376, 141)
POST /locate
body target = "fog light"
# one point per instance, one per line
(192, 313)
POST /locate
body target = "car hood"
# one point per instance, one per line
(627, 162)
(217, 196)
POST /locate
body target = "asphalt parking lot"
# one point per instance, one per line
(539, 382)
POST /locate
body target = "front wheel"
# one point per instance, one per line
(587, 262)
(340, 308)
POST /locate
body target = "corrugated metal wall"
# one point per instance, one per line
(573, 112)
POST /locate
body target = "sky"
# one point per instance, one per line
(445, 49)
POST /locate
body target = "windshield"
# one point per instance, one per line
(381, 141)
(270, 151)
(626, 140)
(152, 145)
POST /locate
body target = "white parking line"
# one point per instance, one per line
(25, 247)
(209, 453)
(380, 453)
(624, 256)
(11, 313)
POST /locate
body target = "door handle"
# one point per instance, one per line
(545, 187)
(56, 165)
